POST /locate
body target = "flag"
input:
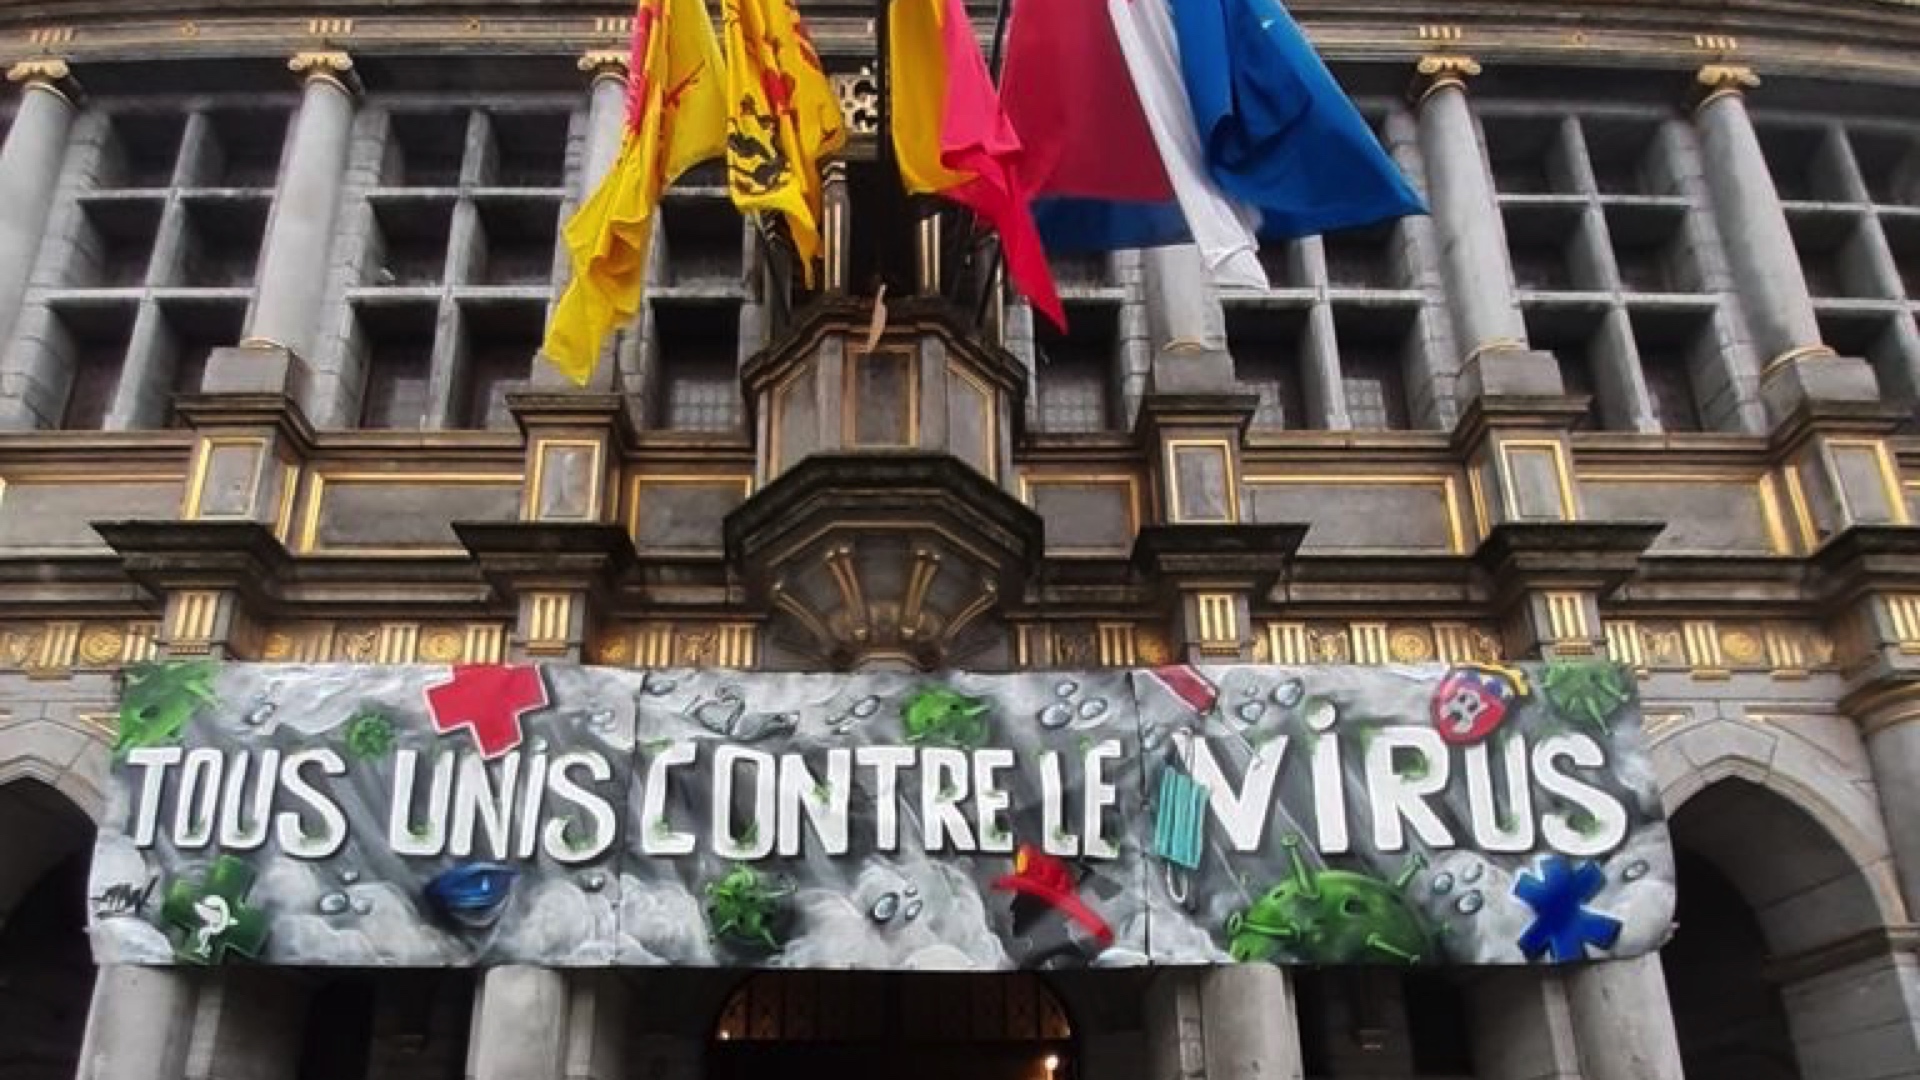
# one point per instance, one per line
(951, 137)
(1221, 228)
(1280, 134)
(1091, 164)
(783, 118)
(1155, 122)
(676, 118)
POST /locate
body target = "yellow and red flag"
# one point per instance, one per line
(676, 118)
(783, 118)
(951, 138)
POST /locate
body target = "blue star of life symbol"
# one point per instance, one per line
(1563, 927)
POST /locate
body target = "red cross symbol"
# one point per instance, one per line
(488, 700)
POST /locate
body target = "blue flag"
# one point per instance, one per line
(1279, 133)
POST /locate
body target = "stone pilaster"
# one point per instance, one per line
(1473, 245)
(1797, 366)
(29, 171)
(519, 1025)
(1222, 1023)
(567, 550)
(139, 1025)
(1522, 1025)
(293, 260)
(1623, 1020)
(1210, 563)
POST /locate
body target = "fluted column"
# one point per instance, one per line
(1473, 244)
(606, 115)
(29, 172)
(293, 263)
(1761, 254)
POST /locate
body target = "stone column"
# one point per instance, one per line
(29, 170)
(139, 1025)
(1623, 1020)
(1761, 254)
(1523, 1026)
(293, 261)
(1222, 1023)
(606, 115)
(606, 127)
(1473, 244)
(519, 1025)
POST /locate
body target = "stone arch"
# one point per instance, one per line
(68, 758)
(46, 974)
(1765, 790)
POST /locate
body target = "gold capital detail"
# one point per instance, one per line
(48, 73)
(604, 64)
(1438, 70)
(1715, 81)
(328, 66)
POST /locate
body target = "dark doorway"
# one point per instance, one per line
(884, 1026)
(1728, 1015)
(46, 966)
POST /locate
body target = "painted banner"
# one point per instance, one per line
(577, 816)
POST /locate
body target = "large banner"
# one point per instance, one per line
(576, 816)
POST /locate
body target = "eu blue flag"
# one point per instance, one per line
(1279, 133)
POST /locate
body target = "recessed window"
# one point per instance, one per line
(395, 342)
(1368, 258)
(192, 329)
(703, 242)
(424, 149)
(516, 241)
(1569, 335)
(141, 151)
(494, 357)
(243, 148)
(1624, 154)
(407, 245)
(1800, 161)
(1834, 254)
(699, 366)
(115, 243)
(529, 150)
(1651, 250)
(1527, 155)
(1671, 346)
(1075, 370)
(1374, 344)
(220, 242)
(1267, 344)
(90, 343)
(1890, 164)
(1542, 243)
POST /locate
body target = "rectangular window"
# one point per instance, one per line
(1075, 370)
(424, 149)
(407, 245)
(140, 151)
(699, 366)
(1671, 345)
(91, 341)
(242, 149)
(193, 328)
(395, 341)
(1374, 344)
(516, 242)
(1266, 343)
(114, 246)
(497, 343)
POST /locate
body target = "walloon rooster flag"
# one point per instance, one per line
(676, 118)
(1152, 122)
(951, 137)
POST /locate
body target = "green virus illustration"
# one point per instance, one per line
(1588, 692)
(158, 702)
(370, 735)
(743, 907)
(1331, 917)
(944, 717)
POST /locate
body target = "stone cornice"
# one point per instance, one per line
(1873, 38)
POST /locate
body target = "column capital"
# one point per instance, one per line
(48, 73)
(1715, 81)
(604, 64)
(327, 66)
(1436, 71)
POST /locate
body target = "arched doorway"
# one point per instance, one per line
(46, 968)
(857, 1025)
(1759, 990)
(1382, 1023)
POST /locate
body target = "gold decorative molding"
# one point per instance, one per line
(1567, 617)
(549, 618)
(1431, 32)
(604, 64)
(1219, 620)
(1793, 356)
(1714, 650)
(1091, 644)
(330, 28)
(380, 643)
(684, 644)
(1437, 71)
(1903, 618)
(192, 616)
(1720, 44)
(1370, 641)
(48, 73)
(327, 66)
(1715, 81)
(45, 37)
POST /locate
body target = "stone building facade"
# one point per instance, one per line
(1644, 385)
